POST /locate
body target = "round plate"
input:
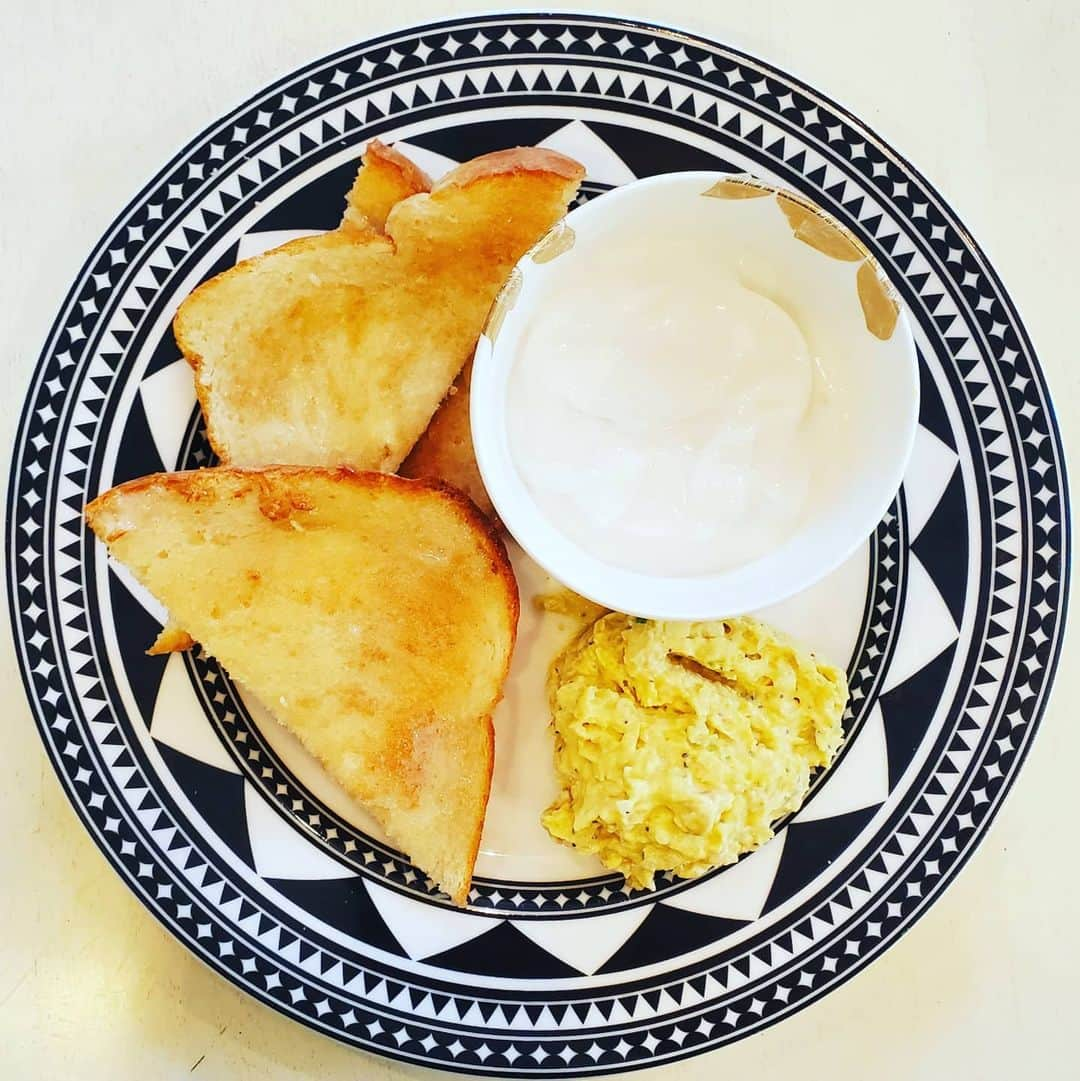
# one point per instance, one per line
(950, 618)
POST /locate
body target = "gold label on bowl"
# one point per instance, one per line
(811, 227)
(736, 189)
(503, 304)
(880, 309)
(558, 240)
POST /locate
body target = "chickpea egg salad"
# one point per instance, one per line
(678, 746)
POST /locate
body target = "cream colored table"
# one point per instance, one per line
(983, 95)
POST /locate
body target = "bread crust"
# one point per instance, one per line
(204, 478)
(512, 162)
(412, 176)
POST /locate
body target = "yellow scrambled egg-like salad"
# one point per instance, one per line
(678, 745)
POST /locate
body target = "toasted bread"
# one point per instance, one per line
(338, 349)
(375, 616)
(385, 178)
(445, 450)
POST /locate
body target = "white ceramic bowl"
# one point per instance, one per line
(831, 278)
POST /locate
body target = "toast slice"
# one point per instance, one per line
(445, 450)
(375, 616)
(338, 349)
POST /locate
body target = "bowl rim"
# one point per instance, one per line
(689, 597)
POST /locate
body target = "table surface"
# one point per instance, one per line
(982, 95)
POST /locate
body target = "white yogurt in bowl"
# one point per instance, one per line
(691, 405)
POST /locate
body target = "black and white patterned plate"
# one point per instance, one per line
(951, 616)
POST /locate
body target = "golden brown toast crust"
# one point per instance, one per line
(513, 162)
(286, 499)
(196, 484)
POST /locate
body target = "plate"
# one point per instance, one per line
(949, 619)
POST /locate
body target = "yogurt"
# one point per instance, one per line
(675, 423)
